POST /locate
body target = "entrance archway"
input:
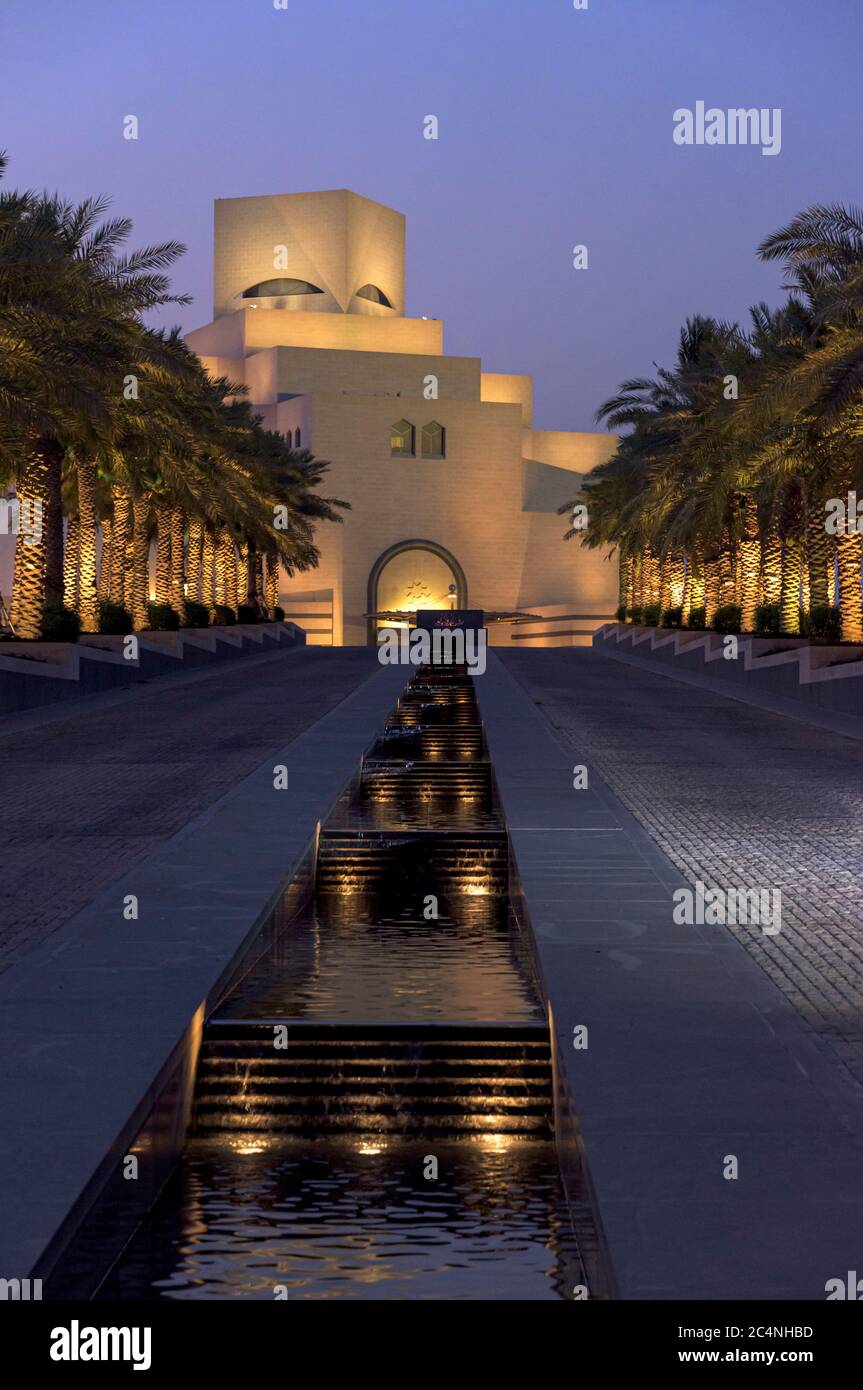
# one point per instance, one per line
(410, 575)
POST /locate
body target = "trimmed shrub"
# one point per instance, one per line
(698, 618)
(620, 613)
(60, 624)
(223, 615)
(672, 617)
(279, 614)
(822, 625)
(162, 617)
(195, 614)
(727, 618)
(651, 615)
(635, 614)
(247, 614)
(767, 620)
(114, 619)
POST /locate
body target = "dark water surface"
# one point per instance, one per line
(356, 1219)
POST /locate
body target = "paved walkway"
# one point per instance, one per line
(90, 791)
(735, 797)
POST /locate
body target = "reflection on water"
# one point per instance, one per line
(356, 1219)
(360, 957)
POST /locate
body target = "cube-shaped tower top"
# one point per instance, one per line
(333, 252)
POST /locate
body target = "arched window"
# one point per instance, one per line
(374, 294)
(402, 440)
(272, 289)
(434, 440)
(297, 437)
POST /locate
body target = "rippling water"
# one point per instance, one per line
(356, 1219)
(361, 957)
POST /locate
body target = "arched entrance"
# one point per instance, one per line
(413, 574)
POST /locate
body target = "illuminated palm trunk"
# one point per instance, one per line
(712, 587)
(71, 560)
(178, 567)
(260, 595)
(208, 588)
(771, 561)
(789, 597)
(163, 554)
(627, 598)
(232, 577)
(224, 563)
(246, 580)
(272, 584)
(727, 587)
(88, 597)
(849, 548)
(677, 578)
(819, 556)
(624, 571)
(686, 597)
(750, 564)
(832, 587)
(641, 582)
(105, 559)
(37, 491)
(195, 562)
(119, 549)
(138, 589)
(664, 583)
(652, 577)
(697, 596)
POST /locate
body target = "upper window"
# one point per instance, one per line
(402, 440)
(272, 289)
(434, 441)
(374, 294)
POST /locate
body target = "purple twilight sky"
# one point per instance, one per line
(555, 128)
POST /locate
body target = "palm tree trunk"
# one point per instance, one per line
(208, 590)
(120, 546)
(246, 582)
(163, 554)
(88, 596)
(71, 563)
(231, 573)
(686, 596)
(850, 552)
(623, 568)
(727, 593)
(178, 569)
(750, 563)
(665, 583)
(273, 575)
(140, 563)
(819, 555)
(105, 559)
(771, 560)
(196, 560)
(628, 599)
(712, 587)
(260, 596)
(789, 600)
(224, 545)
(677, 569)
(36, 489)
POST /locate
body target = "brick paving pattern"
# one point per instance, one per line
(94, 791)
(736, 797)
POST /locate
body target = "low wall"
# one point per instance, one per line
(820, 680)
(43, 673)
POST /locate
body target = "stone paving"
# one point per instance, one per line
(736, 797)
(90, 790)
